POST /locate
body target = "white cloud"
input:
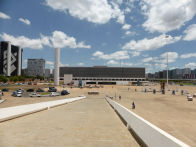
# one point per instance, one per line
(128, 33)
(49, 62)
(112, 62)
(135, 54)
(126, 27)
(148, 59)
(172, 56)
(167, 15)
(190, 33)
(126, 64)
(80, 64)
(62, 40)
(118, 14)
(25, 21)
(116, 63)
(160, 62)
(127, 10)
(58, 39)
(4, 16)
(95, 11)
(191, 65)
(45, 40)
(82, 45)
(62, 64)
(22, 41)
(150, 44)
(184, 56)
(119, 55)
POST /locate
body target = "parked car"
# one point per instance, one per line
(65, 92)
(51, 87)
(22, 90)
(30, 90)
(55, 94)
(52, 90)
(5, 90)
(34, 95)
(17, 93)
(39, 90)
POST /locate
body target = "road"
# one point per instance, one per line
(90, 122)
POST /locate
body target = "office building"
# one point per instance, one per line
(36, 67)
(10, 59)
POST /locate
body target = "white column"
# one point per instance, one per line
(19, 61)
(56, 66)
(8, 58)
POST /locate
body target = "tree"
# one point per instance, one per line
(21, 78)
(14, 79)
(3, 79)
(40, 77)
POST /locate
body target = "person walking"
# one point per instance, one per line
(133, 105)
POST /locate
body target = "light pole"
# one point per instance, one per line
(167, 59)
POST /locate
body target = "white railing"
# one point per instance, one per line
(151, 135)
(17, 111)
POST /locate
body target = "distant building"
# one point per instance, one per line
(177, 73)
(102, 75)
(10, 59)
(47, 73)
(36, 67)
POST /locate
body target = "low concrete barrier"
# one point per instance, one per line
(17, 111)
(151, 135)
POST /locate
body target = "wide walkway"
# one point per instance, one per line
(87, 122)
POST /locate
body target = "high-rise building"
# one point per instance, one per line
(36, 67)
(10, 59)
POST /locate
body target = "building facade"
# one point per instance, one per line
(102, 75)
(36, 67)
(10, 59)
(177, 74)
(47, 73)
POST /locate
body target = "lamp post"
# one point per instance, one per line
(167, 59)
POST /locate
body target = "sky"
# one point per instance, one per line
(128, 33)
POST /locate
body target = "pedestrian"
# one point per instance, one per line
(182, 92)
(154, 91)
(173, 92)
(119, 97)
(133, 105)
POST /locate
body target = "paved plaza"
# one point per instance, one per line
(88, 122)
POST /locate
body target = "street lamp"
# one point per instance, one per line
(167, 59)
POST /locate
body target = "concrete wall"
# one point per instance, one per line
(151, 135)
(67, 78)
(17, 111)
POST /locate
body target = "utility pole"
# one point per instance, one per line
(167, 59)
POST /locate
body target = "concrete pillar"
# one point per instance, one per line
(56, 66)
(8, 58)
(19, 61)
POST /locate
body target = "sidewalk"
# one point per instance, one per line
(89, 122)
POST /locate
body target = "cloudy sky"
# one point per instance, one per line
(103, 32)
